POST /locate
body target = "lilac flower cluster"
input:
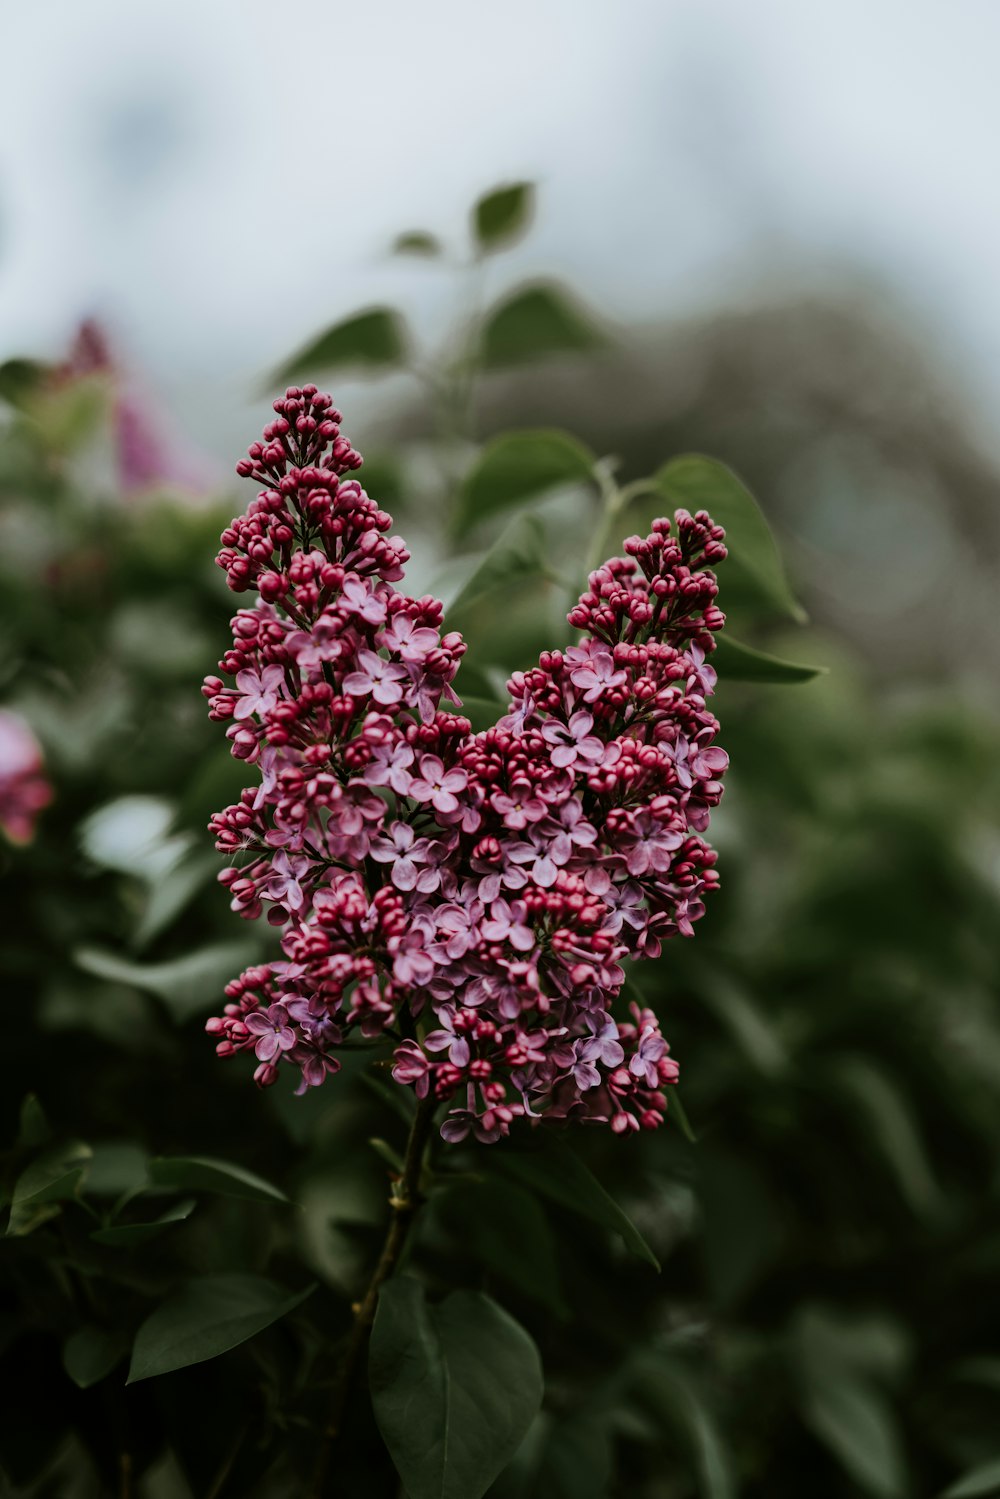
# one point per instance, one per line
(469, 896)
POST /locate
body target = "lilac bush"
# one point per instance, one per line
(469, 896)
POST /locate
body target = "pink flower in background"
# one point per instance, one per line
(486, 887)
(24, 790)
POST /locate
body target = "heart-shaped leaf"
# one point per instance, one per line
(206, 1317)
(536, 322)
(455, 1387)
(516, 468)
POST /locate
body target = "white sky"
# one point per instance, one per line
(219, 178)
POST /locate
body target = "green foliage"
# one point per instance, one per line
(417, 242)
(742, 663)
(555, 1171)
(693, 482)
(207, 1317)
(455, 1387)
(372, 340)
(198, 1174)
(502, 216)
(513, 470)
(537, 322)
(826, 1312)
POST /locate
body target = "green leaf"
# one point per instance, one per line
(131, 1235)
(517, 554)
(670, 1389)
(516, 468)
(742, 663)
(20, 379)
(417, 242)
(117, 1167)
(187, 986)
(888, 1123)
(483, 712)
(978, 1481)
(204, 1174)
(132, 835)
(501, 216)
(455, 1388)
(55, 1176)
(535, 323)
(694, 482)
(506, 1229)
(557, 1172)
(91, 1353)
(578, 1457)
(169, 896)
(676, 1110)
(856, 1423)
(33, 1129)
(206, 1317)
(371, 340)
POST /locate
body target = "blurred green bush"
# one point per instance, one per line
(825, 1321)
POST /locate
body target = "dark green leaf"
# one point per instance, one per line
(34, 1127)
(506, 1229)
(676, 1110)
(131, 1235)
(187, 985)
(742, 663)
(91, 1354)
(671, 1389)
(20, 378)
(416, 242)
(502, 215)
(536, 322)
(518, 554)
(889, 1125)
(578, 1458)
(371, 340)
(169, 896)
(557, 1172)
(854, 1420)
(207, 1317)
(516, 468)
(117, 1167)
(203, 1174)
(455, 1388)
(55, 1176)
(977, 1482)
(693, 482)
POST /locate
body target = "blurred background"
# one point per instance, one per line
(768, 233)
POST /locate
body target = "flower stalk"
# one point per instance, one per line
(404, 1202)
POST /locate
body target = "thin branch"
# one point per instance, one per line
(404, 1201)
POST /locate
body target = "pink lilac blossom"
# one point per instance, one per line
(470, 898)
(24, 790)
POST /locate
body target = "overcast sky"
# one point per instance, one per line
(219, 178)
